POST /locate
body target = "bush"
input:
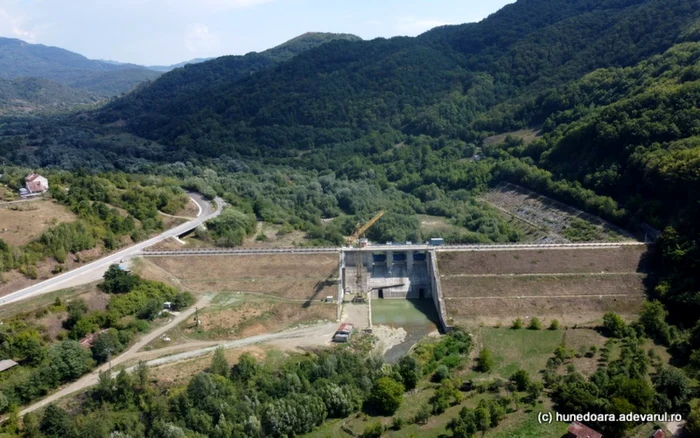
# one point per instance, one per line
(441, 373)
(397, 423)
(386, 395)
(535, 324)
(614, 325)
(554, 325)
(484, 361)
(373, 430)
(517, 324)
(521, 379)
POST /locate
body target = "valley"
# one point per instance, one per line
(442, 234)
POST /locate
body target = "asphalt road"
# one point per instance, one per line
(98, 267)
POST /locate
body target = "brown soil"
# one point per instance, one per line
(581, 340)
(545, 261)
(540, 286)
(300, 277)
(190, 210)
(257, 317)
(569, 310)
(183, 371)
(22, 223)
(169, 244)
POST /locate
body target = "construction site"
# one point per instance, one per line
(413, 289)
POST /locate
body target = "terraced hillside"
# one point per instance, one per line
(292, 277)
(575, 286)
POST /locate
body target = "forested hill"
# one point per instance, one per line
(21, 59)
(29, 95)
(434, 84)
(182, 90)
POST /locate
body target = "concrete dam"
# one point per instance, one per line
(387, 273)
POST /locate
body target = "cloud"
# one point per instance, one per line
(414, 26)
(12, 25)
(199, 40)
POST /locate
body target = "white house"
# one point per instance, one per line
(36, 184)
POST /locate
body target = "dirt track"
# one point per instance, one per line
(307, 336)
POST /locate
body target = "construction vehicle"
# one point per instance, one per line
(360, 229)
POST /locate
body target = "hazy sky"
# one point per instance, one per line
(170, 31)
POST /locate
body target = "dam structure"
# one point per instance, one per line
(390, 274)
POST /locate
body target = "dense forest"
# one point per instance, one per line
(341, 130)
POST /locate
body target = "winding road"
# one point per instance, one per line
(94, 271)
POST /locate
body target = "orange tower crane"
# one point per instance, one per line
(360, 229)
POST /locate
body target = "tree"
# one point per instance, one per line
(340, 401)
(693, 421)
(56, 423)
(76, 310)
(118, 281)
(69, 360)
(386, 395)
(484, 362)
(517, 324)
(245, 369)
(151, 309)
(105, 344)
(653, 319)
(410, 371)
(674, 386)
(219, 364)
(521, 379)
(441, 373)
(446, 395)
(534, 390)
(614, 325)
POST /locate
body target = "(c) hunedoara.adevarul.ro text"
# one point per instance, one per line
(549, 417)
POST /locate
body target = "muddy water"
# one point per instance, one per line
(416, 317)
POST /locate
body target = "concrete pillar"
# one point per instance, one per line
(389, 261)
(409, 262)
(366, 257)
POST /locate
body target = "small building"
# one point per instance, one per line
(7, 364)
(343, 333)
(36, 183)
(658, 433)
(436, 241)
(580, 430)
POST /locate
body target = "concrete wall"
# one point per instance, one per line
(341, 282)
(437, 290)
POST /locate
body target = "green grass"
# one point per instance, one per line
(516, 349)
(527, 426)
(45, 300)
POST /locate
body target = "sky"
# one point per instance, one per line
(163, 32)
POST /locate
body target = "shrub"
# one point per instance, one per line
(484, 361)
(517, 324)
(554, 325)
(441, 373)
(535, 324)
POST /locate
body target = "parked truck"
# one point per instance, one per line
(343, 333)
(436, 241)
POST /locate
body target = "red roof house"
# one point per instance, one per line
(579, 430)
(36, 183)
